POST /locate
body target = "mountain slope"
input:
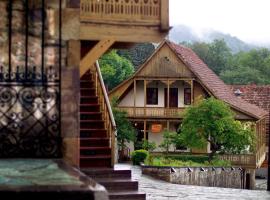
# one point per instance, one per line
(182, 33)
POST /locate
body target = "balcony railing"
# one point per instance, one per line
(246, 160)
(153, 112)
(130, 12)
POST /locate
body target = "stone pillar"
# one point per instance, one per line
(70, 114)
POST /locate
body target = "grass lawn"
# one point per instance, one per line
(185, 161)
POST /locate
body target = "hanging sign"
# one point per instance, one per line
(156, 128)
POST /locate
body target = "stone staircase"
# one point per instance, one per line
(117, 182)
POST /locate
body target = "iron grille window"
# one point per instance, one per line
(30, 95)
(187, 96)
(152, 96)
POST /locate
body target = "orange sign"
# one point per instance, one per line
(156, 128)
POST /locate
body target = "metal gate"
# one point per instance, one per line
(30, 95)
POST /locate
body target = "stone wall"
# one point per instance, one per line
(210, 177)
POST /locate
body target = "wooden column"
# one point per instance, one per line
(145, 99)
(192, 92)
(134, 96)
(168, 93)
(168, 125)
(164, 18)
(144, 129)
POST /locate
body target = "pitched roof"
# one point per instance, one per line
(258, 95)
(207, 78)
(213, 83)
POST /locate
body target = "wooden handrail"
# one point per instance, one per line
(105, 106)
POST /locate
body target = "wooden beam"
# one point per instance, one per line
(91, 31)
(94, 54)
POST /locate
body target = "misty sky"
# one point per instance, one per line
(247, 19)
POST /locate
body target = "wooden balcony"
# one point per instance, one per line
(124, 20)
(146, 112)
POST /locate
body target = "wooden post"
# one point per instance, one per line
(168, 93)
(168, 125)
(134, 96)
(192, 92)
(164, 18)
(145, 99)
(144, 129)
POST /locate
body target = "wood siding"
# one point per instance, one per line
(165, 63)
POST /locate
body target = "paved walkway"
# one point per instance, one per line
(160, 190)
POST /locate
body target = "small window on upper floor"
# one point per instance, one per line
(152, 96)
(187, 96)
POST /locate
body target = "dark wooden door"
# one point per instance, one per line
(173, 97)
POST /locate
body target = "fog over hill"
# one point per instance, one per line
(182, 33)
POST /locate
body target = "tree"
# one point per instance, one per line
(138, 54)
(212, 121)
(168, 140)
(125, 130)
(149, 146)
(115, 68)
(217, 55)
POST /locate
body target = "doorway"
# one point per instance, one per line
(173, 94)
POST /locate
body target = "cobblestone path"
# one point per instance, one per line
(160, 190)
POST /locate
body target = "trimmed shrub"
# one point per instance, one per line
(139, 156)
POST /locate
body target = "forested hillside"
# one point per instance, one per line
(241, 68)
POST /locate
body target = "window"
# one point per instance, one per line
(152, 96)
(187, 96)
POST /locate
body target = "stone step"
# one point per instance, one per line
(126, 194)
(115, 184)
(108, 173)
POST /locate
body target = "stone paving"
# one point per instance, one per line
(160, 190)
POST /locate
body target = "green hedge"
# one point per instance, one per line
(193, 158)
(139, 156)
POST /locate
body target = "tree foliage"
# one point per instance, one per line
(125, 130)
(115, 68)
(241, 68)
(138, 54)
(212, 121)
(169, 139)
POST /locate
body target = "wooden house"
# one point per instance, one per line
(172, 79)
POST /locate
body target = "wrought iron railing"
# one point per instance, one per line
(30, 96)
